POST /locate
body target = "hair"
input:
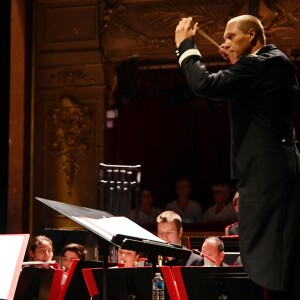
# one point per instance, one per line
(77, 248)
(170, 216)
(38, 240)
(246, 22)
(220, 244)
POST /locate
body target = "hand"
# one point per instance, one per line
(228, 53)
(185, 30)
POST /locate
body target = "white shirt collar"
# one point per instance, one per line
(254, 53)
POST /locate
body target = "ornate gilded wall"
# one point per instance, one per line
(77, 46)
(69, 107)
(145, 29)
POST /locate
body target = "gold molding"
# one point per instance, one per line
(71, 122)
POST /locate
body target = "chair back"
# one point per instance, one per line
(118, 187)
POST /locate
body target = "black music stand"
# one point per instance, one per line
(212, 283)
(132, 283)
(117, 231)
(38, 283)
(75, 287)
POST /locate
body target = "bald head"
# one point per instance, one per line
(248, 22)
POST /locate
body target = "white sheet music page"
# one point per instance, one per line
(109, 227)
(12, 251)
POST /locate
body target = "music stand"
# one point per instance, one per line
(75, 287)
(117, 231)
(212, 283)
(39, 283)
(12, 251)
(130, 283)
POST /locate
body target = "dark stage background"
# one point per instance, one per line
(171, 133)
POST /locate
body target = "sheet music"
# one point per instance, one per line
(109, 227)
(119, 231)
(12, 251)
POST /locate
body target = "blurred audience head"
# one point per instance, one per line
(183, 188)
(221, 193)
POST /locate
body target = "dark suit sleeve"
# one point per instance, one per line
(195, 260)
(235, 80)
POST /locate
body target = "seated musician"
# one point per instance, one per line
(127, 258)
(169, 229)
(70, 252)
(130, 258)
(41, 250)
(213, 247)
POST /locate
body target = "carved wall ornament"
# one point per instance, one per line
(282, 14)
(71, 130)
(145, 29)
(209, 14)
(70, 78)
(116, 19)
(138, 26)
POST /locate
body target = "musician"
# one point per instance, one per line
(128, 257)
(70, 252)
(213, 247)
(41, 249)
(169, 229)
(262, 91)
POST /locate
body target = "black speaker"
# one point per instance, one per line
(128, 78)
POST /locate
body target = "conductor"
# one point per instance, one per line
(262, 92)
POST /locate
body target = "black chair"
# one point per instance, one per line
(117, 188)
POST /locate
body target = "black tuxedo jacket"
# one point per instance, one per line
(193, 260)
(262, 92)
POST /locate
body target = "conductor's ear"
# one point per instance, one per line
(180, 232)
(252, 34)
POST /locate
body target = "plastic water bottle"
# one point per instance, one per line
(158, 287)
